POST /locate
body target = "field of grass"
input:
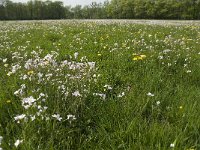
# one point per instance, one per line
(69, 85)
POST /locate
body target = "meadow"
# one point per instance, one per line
(69, 85)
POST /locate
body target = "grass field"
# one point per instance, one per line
(69, 85)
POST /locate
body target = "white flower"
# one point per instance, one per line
(188, 71)
(103, 96)
(20, 91)
(57, 116)
(32, 118)
(121, 95)
(172, 145)
(9, 73)
(108, 87)
(92, 65)
(25, 77)
(71, 117)
(15, 68)
(158, 103)
(4, 60)
(18, 142)
(76, 94)
(75, 55)
(19, 117)
(28, 102)
(160, 57)
(166, 51)
(150, 94)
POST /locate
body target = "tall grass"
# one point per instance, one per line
(84, 85)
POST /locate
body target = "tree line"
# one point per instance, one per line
(113, 9)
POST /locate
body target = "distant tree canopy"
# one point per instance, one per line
(114, 9)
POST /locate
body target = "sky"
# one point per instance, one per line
(70, 2)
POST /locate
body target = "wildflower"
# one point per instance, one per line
(24, 77)
(150, 94)
(18, 142)
(139, 57)
(32, 118)
(30, 72)
(166, 51)
(9, 73)
(28, 102)
(158, 103)
(188, 71)
(71, 117)
(76, 94)
(75, 55)
(172, 145)
(160, 57)
(103, 96)
(5, 65)
(108, 87)
(4, 60)
(91, 65)
(121, 95)
(57, 116)
(19, 117)
(181, 107)
(99, 54)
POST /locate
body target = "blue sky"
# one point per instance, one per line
(70, 2)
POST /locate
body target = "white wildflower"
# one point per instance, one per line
(108, 87)
(92, 65)
(158, 103)
(172, 145)
(19, 117)
(103, 96)
(75, 55)
(71, 117)
(4, 60)
(28, 102)
(57, 116)
(18, 142)
(121, 95)
(160, 57)
(76, 94)
(150, 94)
(166, 51)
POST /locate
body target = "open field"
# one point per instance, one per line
(100, 85)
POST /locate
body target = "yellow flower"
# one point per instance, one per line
(139, 57)
(99, 55)
(30, 72)
(8, 101)
(181, 107)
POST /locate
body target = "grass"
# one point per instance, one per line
(142, 93)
